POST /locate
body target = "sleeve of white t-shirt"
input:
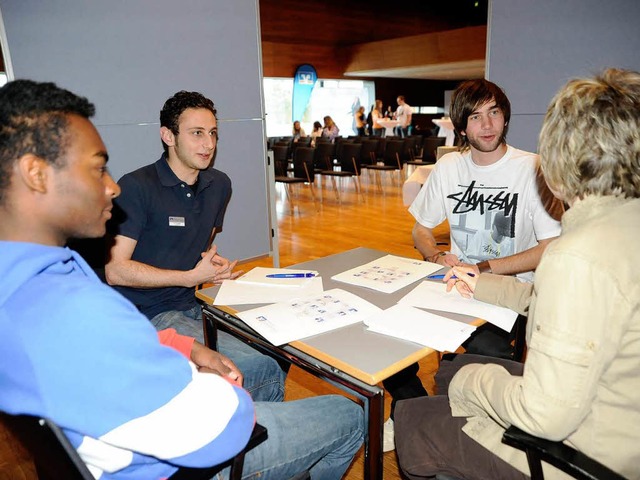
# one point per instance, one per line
(428, 208)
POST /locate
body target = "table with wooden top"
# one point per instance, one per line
(352, 358)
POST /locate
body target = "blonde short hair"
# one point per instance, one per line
(590, 138)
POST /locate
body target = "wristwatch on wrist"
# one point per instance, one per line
(434, 258)
(484, 266)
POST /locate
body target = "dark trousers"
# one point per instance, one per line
(429, 441)
(403, 385)
(491, 341)
(488, 340)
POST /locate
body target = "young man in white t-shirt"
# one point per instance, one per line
(501, 214)
(487, 177)
(403, 115)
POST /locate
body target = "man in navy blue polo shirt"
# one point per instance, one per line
(164, 224)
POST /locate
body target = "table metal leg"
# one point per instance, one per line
(374, 415)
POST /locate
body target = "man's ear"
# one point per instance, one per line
(167, 136)
(34, 172)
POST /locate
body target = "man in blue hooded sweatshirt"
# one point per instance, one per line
(135, 405)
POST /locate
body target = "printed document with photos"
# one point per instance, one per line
(388, 274)
(285, 322)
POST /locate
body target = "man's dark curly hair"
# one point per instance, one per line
(173, 108)
(33, 119)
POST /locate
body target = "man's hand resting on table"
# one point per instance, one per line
(210, 361)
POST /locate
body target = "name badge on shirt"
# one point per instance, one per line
(176, 222)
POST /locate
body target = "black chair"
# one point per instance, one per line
(368, 151)
(55, 457)
(349, 159)
(301, 142)
(561, 456)
(302, 172)
(418, 140)
(339, 143)
(408, 149)
(323, 157)
(391, 160)
(429, 147)
(280, 160)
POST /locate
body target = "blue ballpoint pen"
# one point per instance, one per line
(291, 275)
(441, 276)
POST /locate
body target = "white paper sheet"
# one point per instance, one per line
(433, 295)
(258, 276)
(388, 274)
(425, 328)
(233, 292)
(285, 322)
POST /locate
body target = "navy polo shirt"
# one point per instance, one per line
(172, 225)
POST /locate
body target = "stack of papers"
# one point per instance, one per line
(256, 287)
(299, 308)
(414, 325)
(285, 322)
(388, 274)
(433, 295)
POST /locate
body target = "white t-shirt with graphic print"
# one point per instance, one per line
(493, 211)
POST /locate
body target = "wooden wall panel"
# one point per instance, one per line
(463, 44)
(282, 59)
(460, 45)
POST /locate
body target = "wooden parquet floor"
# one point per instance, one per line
(372, 218)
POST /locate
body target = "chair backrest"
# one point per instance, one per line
(429, 147)
(55, 457)
(340, 141)
(271, 141)
(280, 160)
(408, 149)
(52, 453)
(303, 163)
(350, 158)
(382, 145)
(418, 140)
(392, 152)
(561, 456)
(368, 146)
(324, 155)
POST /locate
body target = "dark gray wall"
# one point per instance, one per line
(534, 47)
(129, 56)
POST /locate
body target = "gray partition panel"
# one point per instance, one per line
(128, 57)
(535, 47)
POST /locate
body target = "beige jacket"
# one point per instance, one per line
(581, 381)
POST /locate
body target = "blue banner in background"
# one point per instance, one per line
(303, 83)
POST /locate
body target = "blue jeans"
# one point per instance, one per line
(263, 377)
(319, 434)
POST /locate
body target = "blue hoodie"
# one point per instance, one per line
(74, 350)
